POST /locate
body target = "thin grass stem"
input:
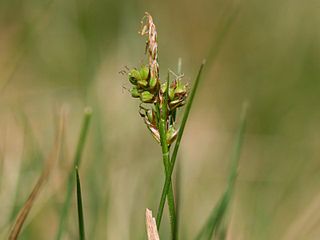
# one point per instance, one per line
(166, 162)
(178, 175)
(76, 162)
(80, 208)
(220, 209)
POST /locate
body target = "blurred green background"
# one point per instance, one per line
(56, 52)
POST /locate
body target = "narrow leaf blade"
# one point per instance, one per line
(220, 209)
(76, 162)
(80, 208)
(186, 115)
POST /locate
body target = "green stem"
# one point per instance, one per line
(170, 194)
(167, 165)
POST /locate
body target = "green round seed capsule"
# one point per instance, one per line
(134, 76)
(164, 87)
(171, 93)
(152, 83)
(144, 73)
(134, 92)
(132, 80)
(150, 116)
(180, 88)
(146, 97)
(171, 135)
(142, 83)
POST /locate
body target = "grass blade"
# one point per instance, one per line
(76, 162)
(178, 177)
(219, 211)
(177, 198)
(167, 184)
(54, 155)
(185, 116)
(80, 208)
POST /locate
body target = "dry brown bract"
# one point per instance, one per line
(151, 226)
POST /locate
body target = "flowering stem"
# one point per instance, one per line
(167, 165)
(170, 195)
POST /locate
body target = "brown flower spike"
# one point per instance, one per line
(148, 28)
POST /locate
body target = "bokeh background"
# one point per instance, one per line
(56, 52)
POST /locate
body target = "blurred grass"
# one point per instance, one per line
(71, 183)
(219, 212)
(47, 169)
(55, 52)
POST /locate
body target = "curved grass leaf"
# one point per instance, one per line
(220, 209)
(76, 162)
(54, 155)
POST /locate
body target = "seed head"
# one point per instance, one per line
(147, 87)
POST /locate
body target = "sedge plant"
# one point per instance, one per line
(159, 102)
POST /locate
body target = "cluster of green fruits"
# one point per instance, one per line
(150, 91)
(177, 94)
(144, 86)
(147, 88)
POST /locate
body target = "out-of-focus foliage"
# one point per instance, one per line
(56, 52)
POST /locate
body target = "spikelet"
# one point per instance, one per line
(147, 87)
